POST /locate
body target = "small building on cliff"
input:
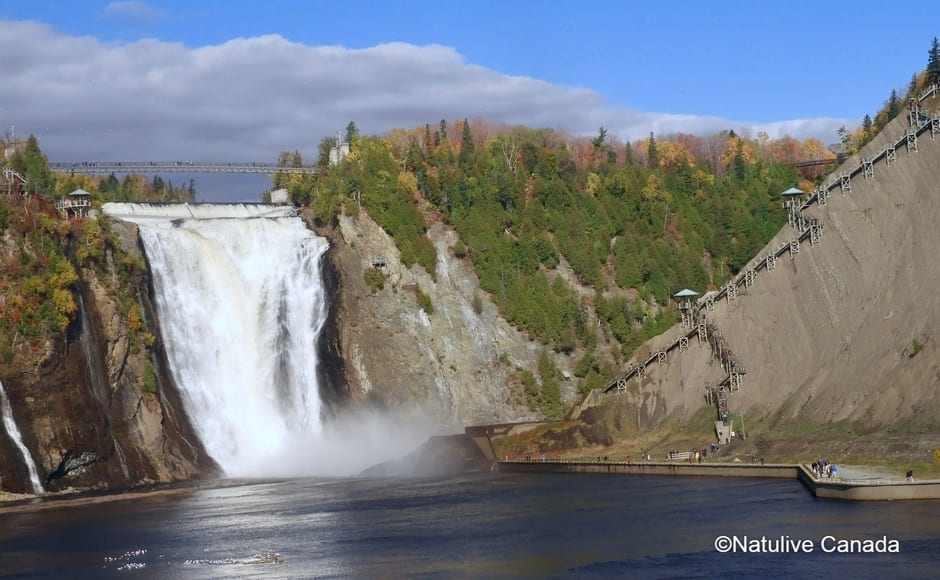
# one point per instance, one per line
(76, 205)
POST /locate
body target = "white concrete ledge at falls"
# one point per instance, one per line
(157, 212)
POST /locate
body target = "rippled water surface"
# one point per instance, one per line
(565, 526)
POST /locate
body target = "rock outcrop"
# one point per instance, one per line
(84, 412)
(457, 365)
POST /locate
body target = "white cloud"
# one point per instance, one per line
(250, 98)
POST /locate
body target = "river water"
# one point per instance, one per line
(492, 525)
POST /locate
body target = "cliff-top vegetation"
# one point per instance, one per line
(41, 252)
(632, 222)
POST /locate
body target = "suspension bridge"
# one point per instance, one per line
(117, 167)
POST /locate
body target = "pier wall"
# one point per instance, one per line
(851, 490)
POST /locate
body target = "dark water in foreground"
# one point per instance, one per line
(564, 526)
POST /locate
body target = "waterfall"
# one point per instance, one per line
(14, 433)
(241, 303)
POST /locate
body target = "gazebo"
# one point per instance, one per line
(685, 293)
(792, 205)
(75, 205)
(684, 297)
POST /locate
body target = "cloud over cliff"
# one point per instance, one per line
(249, 98)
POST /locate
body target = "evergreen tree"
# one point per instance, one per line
(466, 145)
(442, 132)
(628, 154)
(352, 133)
(35, 167)
(866, 124)
(933, 63)
(894, 105)
(157, 184)
(740, 166)
(110, 185)
(652, 153)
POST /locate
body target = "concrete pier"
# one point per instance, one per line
(834, 488)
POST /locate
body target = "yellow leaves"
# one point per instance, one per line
(61, 273)
(90, 242)
(32, 286)
(673, 154)
(704, 178)
(64, 303)
(134, 318)
(593, 183)
(815, 149)
(739, 150)
(408, 182)
(66, 183)
(654, 190)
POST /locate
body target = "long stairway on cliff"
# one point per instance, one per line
(804, 228)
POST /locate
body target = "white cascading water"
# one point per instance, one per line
(9, 423)
(241, 303)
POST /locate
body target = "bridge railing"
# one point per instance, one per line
(107, 167)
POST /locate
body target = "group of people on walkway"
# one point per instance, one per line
(822, 468)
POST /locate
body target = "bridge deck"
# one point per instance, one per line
(108, 167)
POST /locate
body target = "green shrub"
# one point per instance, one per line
(424, 301)
(477, 303)
(150, 377)
(374, 279)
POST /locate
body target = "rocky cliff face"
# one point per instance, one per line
(85, 414)
(457, 365)
(844, 333)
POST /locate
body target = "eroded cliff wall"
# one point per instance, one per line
(457, 365)
(98, 411)
(844, 331)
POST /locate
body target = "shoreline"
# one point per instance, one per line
(24, 502)
(873, 488)
(850, 489)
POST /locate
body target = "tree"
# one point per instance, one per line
(598, 142)
(290, 159)
(442, 132)
(352, 133)
(652, 153)
(866, 124)
(323, 150)
(466, 145)
(933, 62)
(158, 184)
(34, 167)
(894, 104)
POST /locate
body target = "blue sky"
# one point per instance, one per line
(213, 80)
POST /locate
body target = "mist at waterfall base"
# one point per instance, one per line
(241, 303)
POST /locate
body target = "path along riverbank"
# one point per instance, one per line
(855, 483)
